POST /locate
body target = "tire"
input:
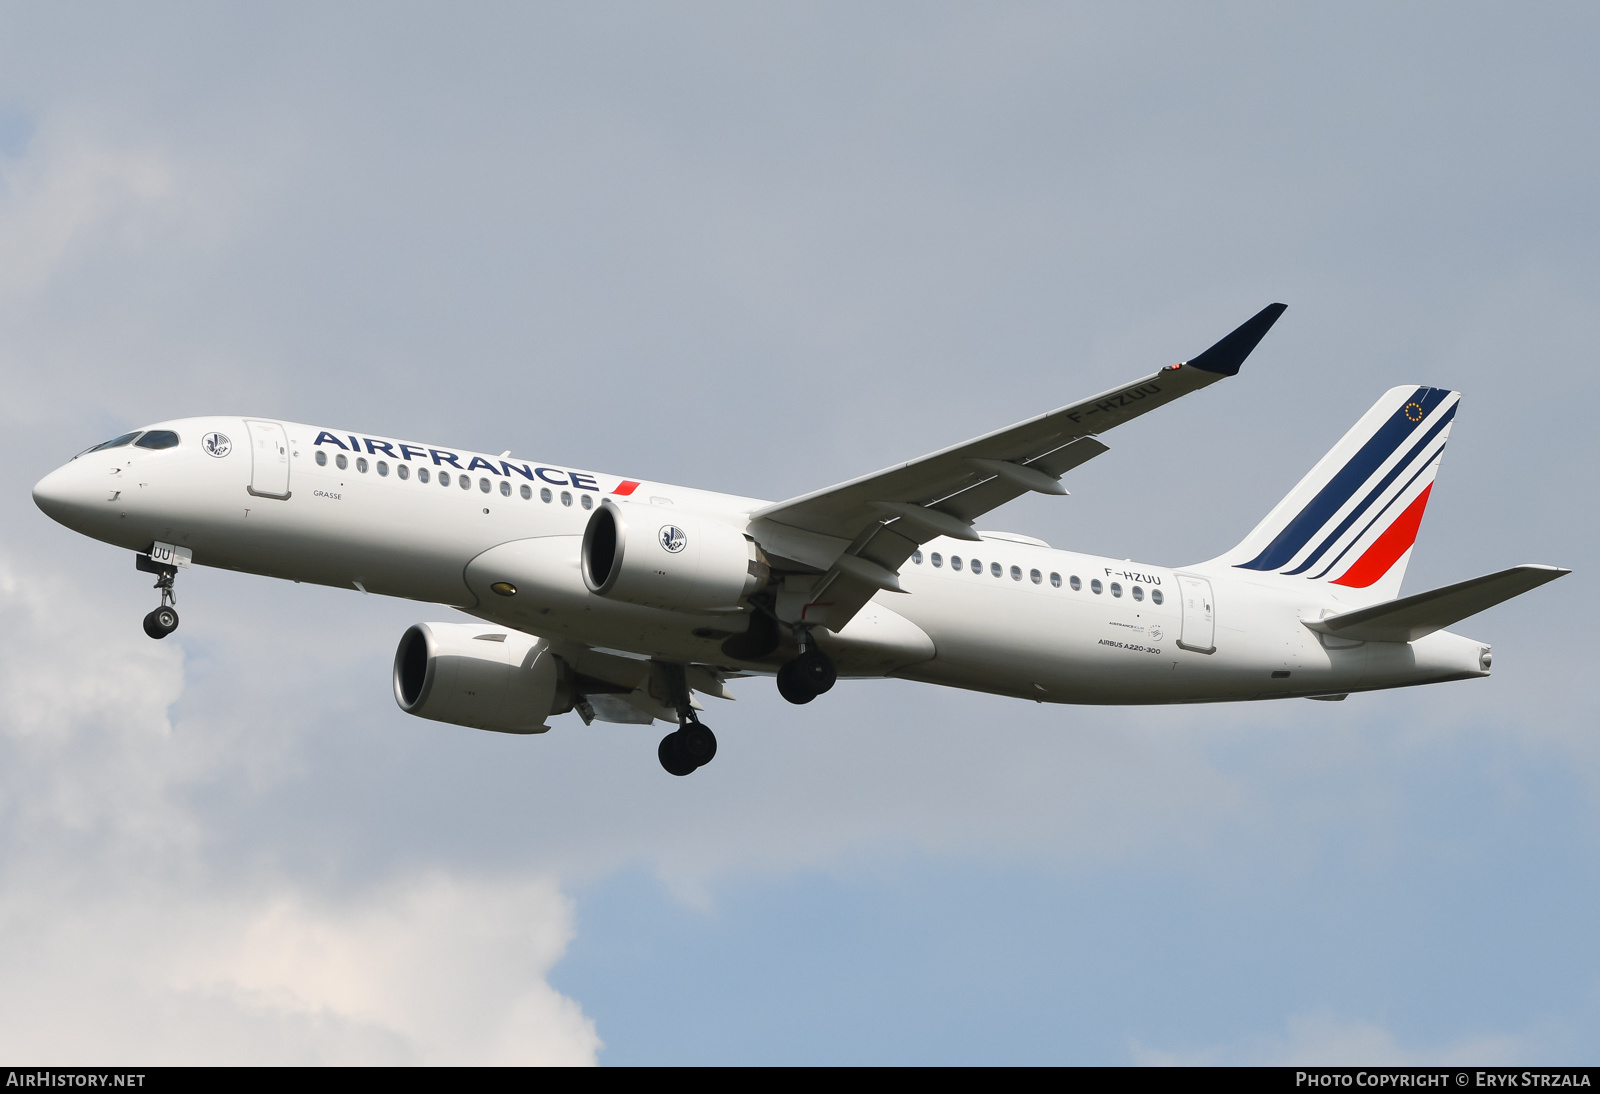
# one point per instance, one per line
(792, 687)
(161, 622)
(671, 759)
(816, 670)
(697, 743)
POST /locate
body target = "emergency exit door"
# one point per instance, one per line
(269, 459)
(1199, 615)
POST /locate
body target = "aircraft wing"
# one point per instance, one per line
(886, 515)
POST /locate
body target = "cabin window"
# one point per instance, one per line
(937, 559)
(483, 484)
(916, 556)
(505, 489)
(322, 458)
(361, 464)
(977, 567)
(996, 569)
(1116, 590)
(444, 478)
(1055, 581)
(383, 469)
(1016, 573)
(527, 492)
(1075, 583)
(1155, 596)
(586, 501)
(955, 562)
(1036, 577)
(341, 462)
(422, 474)
(566, 497)
(157, 438)
(466, 482)
(545, 495)
(1138, 593)
(403, 471)
(1096, 588)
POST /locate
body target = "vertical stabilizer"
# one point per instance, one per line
(1352, 520)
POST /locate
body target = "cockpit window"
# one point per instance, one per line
(157, 438)
(114, 442)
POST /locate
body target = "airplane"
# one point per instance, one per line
(622, 599)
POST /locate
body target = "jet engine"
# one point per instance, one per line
(480, 676)
(662, 558)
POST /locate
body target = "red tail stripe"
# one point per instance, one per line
(627, 487)
(1387, 549)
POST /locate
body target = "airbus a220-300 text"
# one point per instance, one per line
(620, 599)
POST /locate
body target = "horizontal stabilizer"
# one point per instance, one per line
(1411, 617)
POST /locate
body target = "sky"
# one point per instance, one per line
(763, 248)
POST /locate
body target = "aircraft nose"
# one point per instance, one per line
(65, 495)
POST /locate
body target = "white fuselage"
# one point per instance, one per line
(447, 544)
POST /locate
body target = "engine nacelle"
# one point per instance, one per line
(481, 676)
(662, 558)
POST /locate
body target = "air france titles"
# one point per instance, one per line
(439, 457)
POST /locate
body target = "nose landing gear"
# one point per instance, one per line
(164, 620)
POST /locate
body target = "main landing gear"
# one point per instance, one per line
(808, 675)
(164, 620)
(692, 746)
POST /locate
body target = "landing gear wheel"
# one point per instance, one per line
(161, 622)
(816, 670)
(691, 747)
(791, 686)
(697, 743)
(673, 760)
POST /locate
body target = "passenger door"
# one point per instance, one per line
(1199, 617)
(269, 459)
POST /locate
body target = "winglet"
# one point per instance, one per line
(1227, 355)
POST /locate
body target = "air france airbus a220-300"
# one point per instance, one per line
(620, 598)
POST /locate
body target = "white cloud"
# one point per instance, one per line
(125, 939)
(430, 969)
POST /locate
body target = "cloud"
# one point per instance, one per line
(127, 938)
(430, 969)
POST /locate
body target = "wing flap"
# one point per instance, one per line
(1412, 617)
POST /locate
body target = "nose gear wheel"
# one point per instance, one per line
(161, 622)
